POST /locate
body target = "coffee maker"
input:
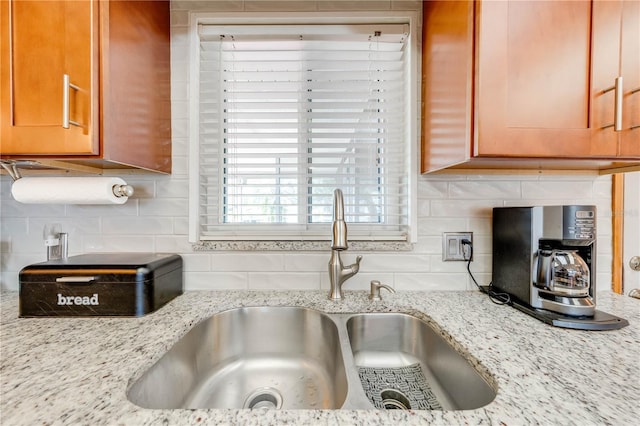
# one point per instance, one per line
(544, 258)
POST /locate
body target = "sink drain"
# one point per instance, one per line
(394, 400)
(264, 398)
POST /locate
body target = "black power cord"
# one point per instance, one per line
(498, 298)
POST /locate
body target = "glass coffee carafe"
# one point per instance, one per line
(563, 272)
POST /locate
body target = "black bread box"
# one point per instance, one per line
(100, 284)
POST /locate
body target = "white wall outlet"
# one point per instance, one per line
(452, 247)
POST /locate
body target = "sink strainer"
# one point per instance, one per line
(398, 388)
(264, 398)
(394, 400)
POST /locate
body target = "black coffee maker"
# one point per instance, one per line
(544, 258)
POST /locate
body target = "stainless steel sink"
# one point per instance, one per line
(299, 358)
(391, 342)
(256, 357)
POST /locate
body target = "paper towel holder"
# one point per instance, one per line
(13, 169)
(122, 190)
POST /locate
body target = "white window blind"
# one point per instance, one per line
(287, 114)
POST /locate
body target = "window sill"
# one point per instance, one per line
(299, 246)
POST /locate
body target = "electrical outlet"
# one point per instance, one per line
(452, 247)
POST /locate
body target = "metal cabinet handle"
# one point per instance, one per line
(76, 279)
(66, 86)
(617, 112)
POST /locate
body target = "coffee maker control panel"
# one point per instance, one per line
(579, 223)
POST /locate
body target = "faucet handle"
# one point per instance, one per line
(355, 267)
(375, 290)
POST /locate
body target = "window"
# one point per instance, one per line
(287, 113)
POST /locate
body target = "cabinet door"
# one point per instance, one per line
(532, 82)
(605, 69)
(43, 41)
(447, 83)
(630, 71)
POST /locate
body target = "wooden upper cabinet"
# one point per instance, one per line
(86, 82)
(46, 41)
(524, 79)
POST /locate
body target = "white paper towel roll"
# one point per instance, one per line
(67, 190)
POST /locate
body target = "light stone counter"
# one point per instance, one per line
(77, 370)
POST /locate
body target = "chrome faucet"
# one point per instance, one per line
(338, 273)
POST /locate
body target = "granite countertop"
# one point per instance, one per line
(77, 370)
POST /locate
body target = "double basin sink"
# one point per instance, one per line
(300, 358)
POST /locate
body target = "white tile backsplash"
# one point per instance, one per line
(557, 190)
(155, 219)
(431, 281)
(108, 242)
(152, 226)
(433, 226)
(259, 262)
(139, 225)
(460, 207)
(280, 281)
(129, 209)
(196, 262)
(216, 280)
(480, 190)
(296, 262)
